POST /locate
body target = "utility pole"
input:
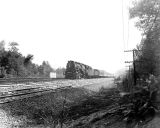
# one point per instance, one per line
(134, 65)
(134, 68)
(129, 76)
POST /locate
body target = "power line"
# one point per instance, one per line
(128, 30)
(123, 25)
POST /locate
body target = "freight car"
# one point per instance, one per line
(76, 70)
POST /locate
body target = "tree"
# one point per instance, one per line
(147, 13)
(2, 46)
(28, 59)
(14, 64)
(13, 46)
(45, 69)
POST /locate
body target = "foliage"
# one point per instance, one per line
(14, 64)
(45, 69)
(28, 59)
(13, 46)
(2, 46)
(48, 108)
(142, 106)
(147, 13)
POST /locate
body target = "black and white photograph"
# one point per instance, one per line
(79, 63)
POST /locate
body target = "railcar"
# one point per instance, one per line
(76, 70)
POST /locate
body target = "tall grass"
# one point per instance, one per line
(47, 109)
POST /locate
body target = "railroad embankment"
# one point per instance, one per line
(5, 87)
(77, 107)
(64, 107)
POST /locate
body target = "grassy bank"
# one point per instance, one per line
(71, 107)
(45, 109)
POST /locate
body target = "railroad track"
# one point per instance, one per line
(29, 87)
(23, 80)
(26, 93)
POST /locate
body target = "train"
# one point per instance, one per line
(73, 70)
(76, 70)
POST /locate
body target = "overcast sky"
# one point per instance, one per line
(87, 31)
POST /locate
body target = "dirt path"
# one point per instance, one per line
(107, 83)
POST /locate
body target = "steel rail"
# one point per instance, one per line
(16, 96)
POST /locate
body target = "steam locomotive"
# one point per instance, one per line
(76, 70)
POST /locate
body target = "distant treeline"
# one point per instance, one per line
(14, 64)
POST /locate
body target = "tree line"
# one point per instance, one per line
(14, 64)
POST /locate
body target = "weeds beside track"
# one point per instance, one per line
(24, 80)
(25, 93)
